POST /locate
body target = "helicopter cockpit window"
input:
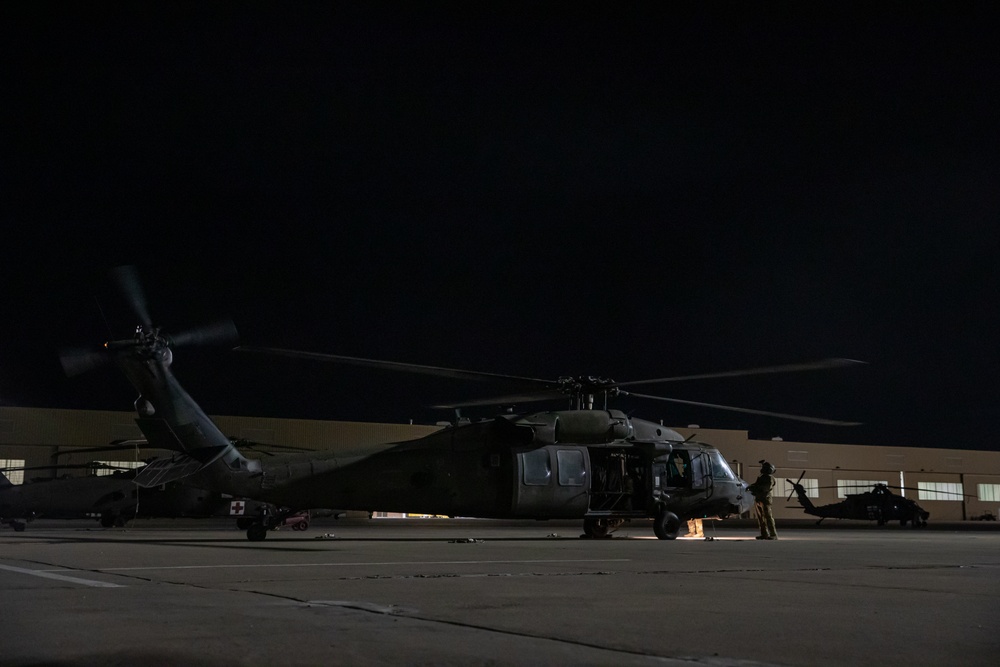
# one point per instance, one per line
(720, 469)
(537, 469)
(571, 469)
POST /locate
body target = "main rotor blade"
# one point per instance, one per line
(114, 447)
(947, 493)
(781, 415)
(77, 361)
(128, 281)
(218, 333)
(392, 365)
(240, 443)
(504, 400)
(786, 368)
(68, 466)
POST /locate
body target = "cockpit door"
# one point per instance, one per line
(701, 471)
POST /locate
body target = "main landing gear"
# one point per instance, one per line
(18, 526)
(258, 527)
(666, 525)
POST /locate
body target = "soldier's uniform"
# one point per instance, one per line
(762, 489)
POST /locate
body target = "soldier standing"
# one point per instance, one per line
(761, 490)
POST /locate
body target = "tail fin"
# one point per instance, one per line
(4, 482)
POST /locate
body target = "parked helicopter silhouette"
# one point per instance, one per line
(596, 465)
(112, 500)
(880, 505)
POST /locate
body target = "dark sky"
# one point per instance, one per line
(610, 190)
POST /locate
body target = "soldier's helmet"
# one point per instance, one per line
(767, 468)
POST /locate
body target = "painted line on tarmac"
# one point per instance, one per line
(362, 564)
(60, 577)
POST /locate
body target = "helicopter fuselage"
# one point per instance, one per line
(506, 468)
(880, 505)
(598, 465)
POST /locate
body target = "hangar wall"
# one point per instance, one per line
(38, 434)
(829, 463)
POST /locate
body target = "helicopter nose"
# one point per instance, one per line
(746, 499)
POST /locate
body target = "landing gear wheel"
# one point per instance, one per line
(666, 524)
(301, 525)
(596, 528)
(256, 533)
(18, 526)
(108, 520)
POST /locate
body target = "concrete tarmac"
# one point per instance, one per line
(391, 592)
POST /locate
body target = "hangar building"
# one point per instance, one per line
(953, 485)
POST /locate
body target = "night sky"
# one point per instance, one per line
(608, 189)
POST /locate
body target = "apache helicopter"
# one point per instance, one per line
(880, 505)
(597, 465)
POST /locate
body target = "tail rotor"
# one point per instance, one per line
(794, 484)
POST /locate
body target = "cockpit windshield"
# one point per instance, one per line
(721, 469)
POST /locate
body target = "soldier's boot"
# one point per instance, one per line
(771, 533)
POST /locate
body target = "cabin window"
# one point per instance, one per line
(989, 492)
(537, 468)
(846, 487)
(571, 469)
(13, 476)
(939, 491)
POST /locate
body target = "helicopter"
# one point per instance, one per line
(114, 499)
(597, 465)
(880, 505)
(110, 499)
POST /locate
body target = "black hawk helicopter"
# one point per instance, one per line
(114, 499)
(880, 505)
(596, 465)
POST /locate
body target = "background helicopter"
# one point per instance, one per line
(598, 465)
(113, 499)
(880, 505)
